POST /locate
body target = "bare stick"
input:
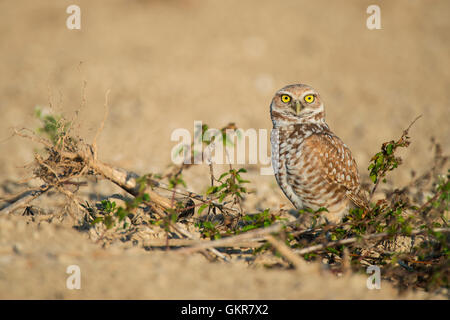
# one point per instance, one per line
(180, 228)
(23, 199)
(253, 235)
(124, 179)
(286, 252)
(189, 242)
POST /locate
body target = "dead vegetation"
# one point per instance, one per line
(405, 231)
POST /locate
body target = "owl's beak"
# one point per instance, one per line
(298, 107)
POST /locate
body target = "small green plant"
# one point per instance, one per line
(176, 180)
(230, 189)
(441, 199)
(259, 220)
(110, 214)
(55, 127)
(107, 213)
(386, 160)
(231, 185)
(209, 229)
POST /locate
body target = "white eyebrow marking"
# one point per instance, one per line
(285, 92)
(308, 92)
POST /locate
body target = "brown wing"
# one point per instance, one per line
(335, 164)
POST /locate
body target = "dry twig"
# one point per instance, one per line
(23, 199)
(286, 252)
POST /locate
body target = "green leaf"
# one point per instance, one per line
(211, 189)
(121, 213)
(248, 227)
(373, 177)
(389, 148)
(109, 223)
(97, 220)
(332, 250)
(380, 160)
(223, 175)
(208, 225)
(222, 196)
(201, 208)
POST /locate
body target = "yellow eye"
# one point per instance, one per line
(285, 98)
(310, 98)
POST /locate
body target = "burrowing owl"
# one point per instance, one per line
(313, 167)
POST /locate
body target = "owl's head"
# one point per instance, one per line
(296, 103)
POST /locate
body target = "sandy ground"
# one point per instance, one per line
(168, 63)
(35, 267)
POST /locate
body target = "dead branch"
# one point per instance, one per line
(286, 252)
(252, 235)
(23, 199)
(86, 155)
(180, 229)
(189, 242)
